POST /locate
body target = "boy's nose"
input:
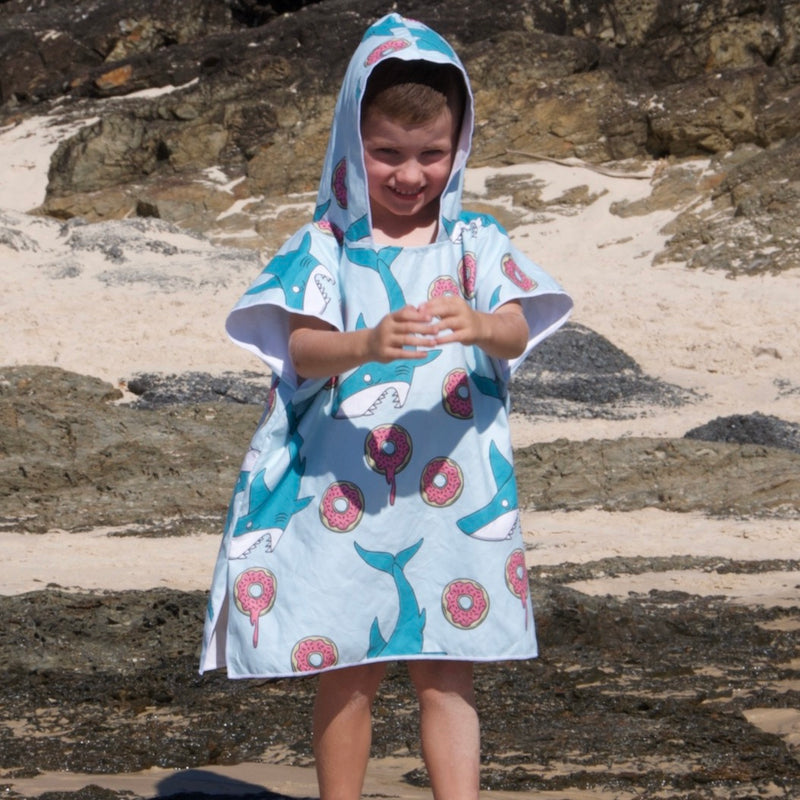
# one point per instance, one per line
(409, 172)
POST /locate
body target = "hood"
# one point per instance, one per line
(343, 199)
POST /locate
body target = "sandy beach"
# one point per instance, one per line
(735, 343)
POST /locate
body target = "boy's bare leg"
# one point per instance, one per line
(449, 727)
(343, 729)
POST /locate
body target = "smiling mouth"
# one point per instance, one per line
(401, 193)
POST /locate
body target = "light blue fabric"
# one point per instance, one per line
(375, 516)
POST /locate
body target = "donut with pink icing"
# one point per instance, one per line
(515, 274)
(254, 592)
(442, 482)
(443, 286)
(468, 275)
(341, 507)
(385, 49)
(517, 578)
(388, 451)
(314, 653)
(517, 575)
(456, 397)
(465, 603)
(338, 183)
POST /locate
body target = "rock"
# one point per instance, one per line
(577, 372)
(597, 81)
(672, 474)
(155, 390)
(753, 428)
(749, 225)
(75, 458)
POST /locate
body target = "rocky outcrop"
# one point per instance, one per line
(75, 458)
(597, 80)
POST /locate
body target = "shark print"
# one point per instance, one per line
(380, 261)
(498, 519)
(361, 392)
(406, 638)
(270, 510)
(305, 282)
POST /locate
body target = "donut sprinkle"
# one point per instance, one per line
(515, 274)
(456, 397)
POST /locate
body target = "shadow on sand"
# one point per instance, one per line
(198, 784)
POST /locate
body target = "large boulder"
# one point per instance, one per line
(248, 87)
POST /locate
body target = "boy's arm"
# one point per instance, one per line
(502, 333)
(318, 350)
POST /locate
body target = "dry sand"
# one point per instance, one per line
(734, 341)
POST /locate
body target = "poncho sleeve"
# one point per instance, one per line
(504, 273)
(302, 278)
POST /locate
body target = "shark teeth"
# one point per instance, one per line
(396, 402)
(320, 281)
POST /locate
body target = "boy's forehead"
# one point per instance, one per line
(377, 123)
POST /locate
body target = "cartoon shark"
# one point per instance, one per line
(380, 261)
(497, 519)
(491, 387)
(364, 389)
(359, 229)
(270, 510)
(407, 635)
(303, 280)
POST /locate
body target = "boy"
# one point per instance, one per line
(376, 517)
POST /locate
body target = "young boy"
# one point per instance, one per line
(375, 518)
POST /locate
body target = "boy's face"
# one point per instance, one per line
(408, 167)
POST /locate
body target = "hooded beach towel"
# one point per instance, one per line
(375, 516)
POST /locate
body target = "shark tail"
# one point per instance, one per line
(380, 561)
(376, 641)
(385, 562)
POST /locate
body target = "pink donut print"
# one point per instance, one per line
(517, 578)
(325, 226)
(388, 451)
(465, 603)
(468, 275)
(443, 286)
(339, 185)
(341, 507)
(384, 49)
(513, 272)
(442, 482)
(456, 398)
(313, 653)
(254, 593)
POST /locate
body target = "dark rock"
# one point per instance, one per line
(577, 372)
(660, 681)
(750, 429)
(156, 390)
